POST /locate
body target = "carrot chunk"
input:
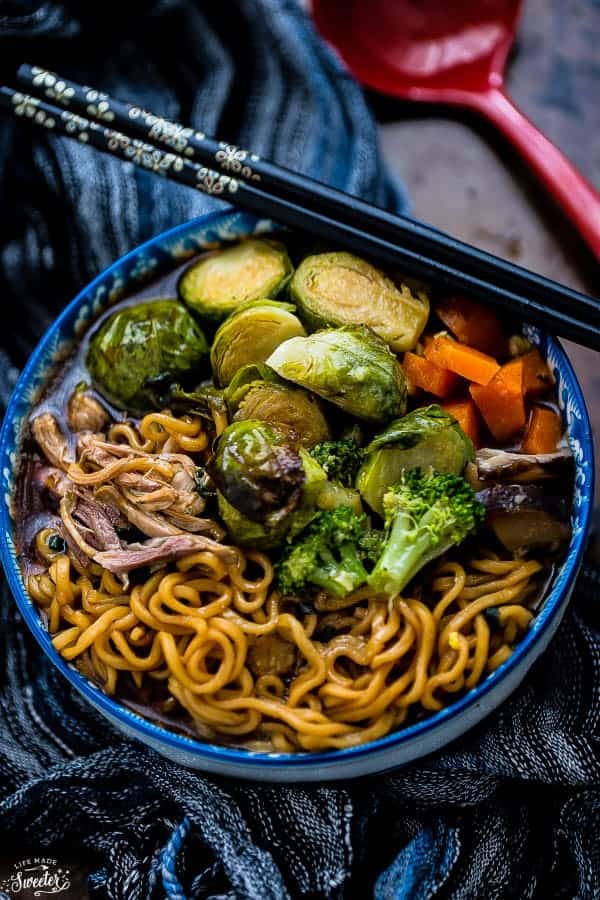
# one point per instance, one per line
(473, 324)
(466, 361)
(424, 374)
(465, 413)
(501, 403)
(537, 377)
(544, 431)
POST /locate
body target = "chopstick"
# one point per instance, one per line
(576, 324)
(277, 181)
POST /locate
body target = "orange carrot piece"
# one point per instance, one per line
(465, 413)
(473, 324)
(544, 431)
(502, 404)
(532, 373)
(537, 378)
(422, 373)
(466, 361)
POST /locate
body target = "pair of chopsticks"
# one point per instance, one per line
(240, 177)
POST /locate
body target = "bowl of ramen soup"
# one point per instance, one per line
(280, 514)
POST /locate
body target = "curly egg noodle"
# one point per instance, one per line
(214, 639)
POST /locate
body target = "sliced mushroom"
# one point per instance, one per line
(505, 465)
(523, 516)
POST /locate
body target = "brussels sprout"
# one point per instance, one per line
(243, 380)
(250, 335)
(140, 350)
(425, 437)
(246, 533)
(275, 529)
(258, 470)
(222, 281)
(285, 405)
(350, 367)
(205, 401)
(342, 289)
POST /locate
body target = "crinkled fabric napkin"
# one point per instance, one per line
(513, 810)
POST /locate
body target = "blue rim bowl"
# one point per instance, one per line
(156, 257)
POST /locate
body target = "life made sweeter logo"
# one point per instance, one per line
(35, 877)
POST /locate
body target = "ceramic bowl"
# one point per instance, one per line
(157, 257)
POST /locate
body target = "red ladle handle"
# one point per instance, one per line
(577, 197)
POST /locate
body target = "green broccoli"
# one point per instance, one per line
(341, 460)
(426, 513)
(370, 545)
(326, 555)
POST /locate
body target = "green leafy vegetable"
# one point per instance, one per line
(258, 469)
(350, 367)
(424, 437)
(139, 351)
(342, 289)
(250, 334)
(285, 405)
(224, 280)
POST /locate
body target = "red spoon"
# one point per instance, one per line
(454, 51)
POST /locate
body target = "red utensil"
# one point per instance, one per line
(454, 52)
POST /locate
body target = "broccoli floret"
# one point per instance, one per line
(325, 555)
(426, 513)
(340, 459)
(370, 545)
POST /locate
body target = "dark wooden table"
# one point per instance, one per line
(463, 178)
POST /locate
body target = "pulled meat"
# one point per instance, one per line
(52, 441)
(161, 550)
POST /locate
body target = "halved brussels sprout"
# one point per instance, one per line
(351, 367)
(250, 335)
(342, 289)
(139, 351)
(244, 379)
(222, 281)
(285, 405)
(425, 437)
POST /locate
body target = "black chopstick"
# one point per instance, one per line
(575, 325)
(277, 181)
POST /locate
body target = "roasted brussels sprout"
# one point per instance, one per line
(250, 334)
(139, 351)
(277, 526)
(244, 379)
(205, 401)
(222, 281)
(351, 367)
(342, 289)
(246, 533)
(258, 469)
(425, 437)
(285, 405)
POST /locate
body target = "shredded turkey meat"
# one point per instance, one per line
(52, 441)
(157, 551)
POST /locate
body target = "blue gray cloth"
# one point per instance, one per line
(510, 811)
